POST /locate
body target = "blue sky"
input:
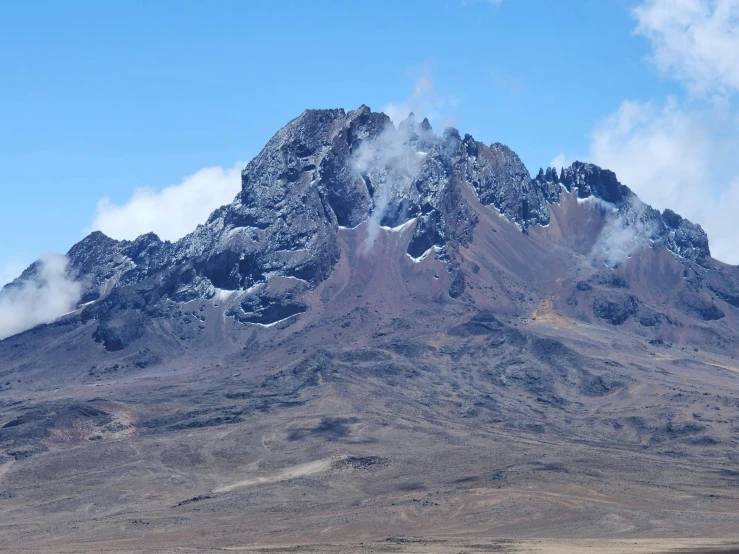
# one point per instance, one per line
(99, 99)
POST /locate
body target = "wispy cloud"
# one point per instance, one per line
(393, 165)
(559, 161)
(424, 101)
(679, 152)
(677, 158)
(696, 41)
(172, 212)
(41, 297)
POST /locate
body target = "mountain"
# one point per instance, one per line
(388, 332)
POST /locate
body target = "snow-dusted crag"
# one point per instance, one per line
(327, 170)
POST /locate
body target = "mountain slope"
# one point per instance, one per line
(385, 326)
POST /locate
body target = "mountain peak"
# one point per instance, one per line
(329, 170)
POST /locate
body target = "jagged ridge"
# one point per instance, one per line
(329, 169)
(306, 182)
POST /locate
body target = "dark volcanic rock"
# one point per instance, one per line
(24, 436)
(695, 306)
(268, 309)
(685, 238)
(615, 309)
(500, 179)
(610, 280)
(590, 180)
(583, 286)
(194, 419)
(726, 287)
(329, 428)
(361, 462)
(650, 318)
(483, 323)
(121, 330)
(598, 385)
(553, 352)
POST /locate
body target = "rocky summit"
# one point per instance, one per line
(390, 332)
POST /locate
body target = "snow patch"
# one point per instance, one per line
(400, 228)
(436, 249)
(268, 325)
(501, 214)
(238, 231)
(222, 295)
(420, 258)
(252, 289)
(292, 278)
(608, 206)
(344, 228)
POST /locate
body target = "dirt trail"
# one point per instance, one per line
(311, 468)
(510, 546)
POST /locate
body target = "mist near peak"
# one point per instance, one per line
(389, 164)
(42, 294)
(624, 233)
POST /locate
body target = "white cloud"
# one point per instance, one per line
(424, 101)
(661, 152)
(680, 153)
(41, 298)
(559, 161)
(399, 164)
(172, 212)
(677, 158)
(696, 41)
(397, 112)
